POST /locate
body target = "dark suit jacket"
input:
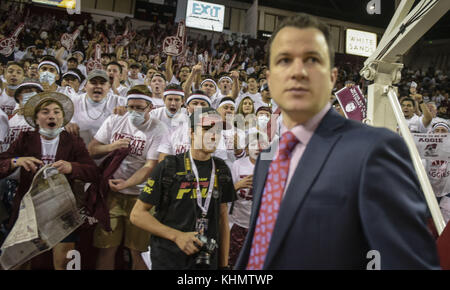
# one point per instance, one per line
(71, 148)
(354, 190)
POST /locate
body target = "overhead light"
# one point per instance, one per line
(373, 7)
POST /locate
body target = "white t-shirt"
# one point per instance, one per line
(228, 141)
(179, 141)
(122, 90)
(438, 171)
(243, 204)
(4, 130)
(136, 82)
(49, 148)
(145, 140)
(82, 68)
(17, 124)
(216, 101)
(174, 80)
(415, 124)
(7, 103)
(171, 123)
(18, 55)
(157, 102)
(90, 117)
(68, 91)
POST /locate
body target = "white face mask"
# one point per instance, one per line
(47, 77)
(94, 103)
(136, 118)
(12, 87)
(170, 114)
(262, 121)
(50, 133)
(27, 96)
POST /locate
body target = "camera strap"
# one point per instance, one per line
(204, 207)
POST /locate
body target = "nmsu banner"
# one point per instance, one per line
(352, 102)
(204, 15)
(434, 149)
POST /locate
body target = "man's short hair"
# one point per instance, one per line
(116, 64)
(201, 112)
(105, 55)
(140, 90)
(173, 87)
(252, 76)
(10, 63)
(303, 21)
(407, 99)
(183, 66)
(157, 74)
(73, 59)
(125, 61)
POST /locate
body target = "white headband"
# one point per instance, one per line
(226, 78)
(36, 85)
(139, 97)
(49, 63)
(72, 74)
(227, 103)
(82, 54)
(199, 97)
(174, 92)
(208, 80)
(441, 124)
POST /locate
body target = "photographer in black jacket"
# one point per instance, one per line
(189, 231)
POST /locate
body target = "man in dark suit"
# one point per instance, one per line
(338, 194)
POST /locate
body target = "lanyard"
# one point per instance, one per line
(205, 207)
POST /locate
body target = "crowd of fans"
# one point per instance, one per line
(136, 82)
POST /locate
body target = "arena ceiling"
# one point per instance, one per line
(354, 11)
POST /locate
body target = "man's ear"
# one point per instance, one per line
(334, 75)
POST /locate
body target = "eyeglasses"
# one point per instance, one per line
(137, 108)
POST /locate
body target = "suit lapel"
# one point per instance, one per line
(314, 157)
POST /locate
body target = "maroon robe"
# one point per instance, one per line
(71, 148)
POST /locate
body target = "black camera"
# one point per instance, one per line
(203, 258)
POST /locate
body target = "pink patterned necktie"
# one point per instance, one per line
(271, 200)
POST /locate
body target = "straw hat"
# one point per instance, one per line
(36, 100)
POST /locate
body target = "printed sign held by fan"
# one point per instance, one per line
(228, 66)
(95, 63)
(7, 44)
(125, 38)
(68, 40)
(174, 45)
